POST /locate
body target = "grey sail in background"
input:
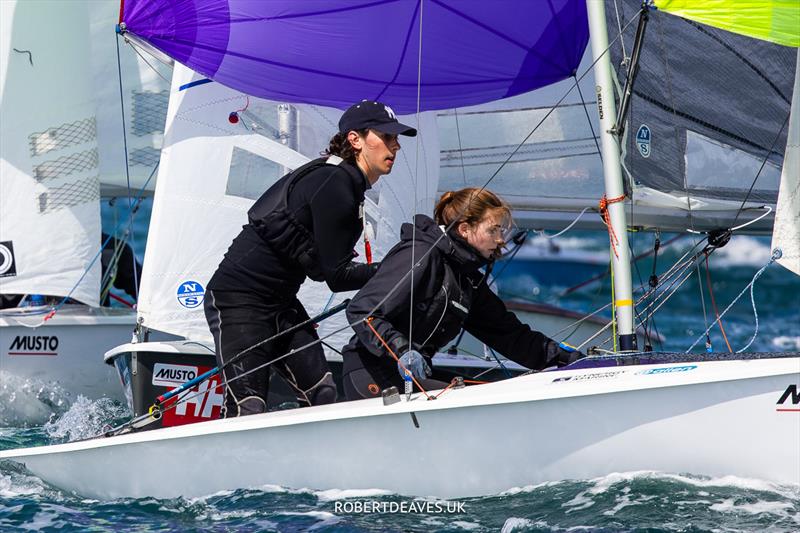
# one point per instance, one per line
(709, 107)
(709, 113)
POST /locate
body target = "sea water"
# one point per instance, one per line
(624, 501)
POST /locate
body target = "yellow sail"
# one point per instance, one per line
(777, 21)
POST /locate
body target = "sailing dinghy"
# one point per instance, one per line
(53, 171)
(712, 414)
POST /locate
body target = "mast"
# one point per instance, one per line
(612, 170)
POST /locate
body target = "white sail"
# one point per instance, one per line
(49, 189)
(145, 93)
(211, 172)
(786, 234)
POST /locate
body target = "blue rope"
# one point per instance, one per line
(776, 254)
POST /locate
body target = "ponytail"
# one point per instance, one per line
(468, 205)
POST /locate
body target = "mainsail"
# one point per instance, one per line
(49, 188)
(214, 165)
(709, 111)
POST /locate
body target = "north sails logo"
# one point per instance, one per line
(8, 265)
(34, 345)
(791, 393)
(190, 294)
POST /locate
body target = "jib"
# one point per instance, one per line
(175, 374)
(35, 342)
(791, 391)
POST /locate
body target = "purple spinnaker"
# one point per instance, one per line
(334, 53)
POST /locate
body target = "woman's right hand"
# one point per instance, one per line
(414, 362)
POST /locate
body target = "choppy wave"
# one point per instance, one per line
(621, 501)
(30, 402)
(84, 419)
(743, 250)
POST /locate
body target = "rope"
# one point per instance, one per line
(127, 170)
(146, 61)
(758, 174)
(589, 120)
(120, 300)
(602, 206)
(709, 348)
(775, 256)
(563, 231)
(714, 305)
(416, 175)
(417, 383)
(673, 274)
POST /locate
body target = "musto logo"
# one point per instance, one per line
(789, 400)
(201, 402)
(34, 345)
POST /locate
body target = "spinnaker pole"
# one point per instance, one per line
(612, 170)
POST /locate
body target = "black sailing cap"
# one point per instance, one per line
(373, 115)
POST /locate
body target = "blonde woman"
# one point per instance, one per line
(449, 293)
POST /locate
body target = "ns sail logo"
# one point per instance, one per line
(190, 294)
(789, 401)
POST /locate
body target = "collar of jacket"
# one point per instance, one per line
(463, 256)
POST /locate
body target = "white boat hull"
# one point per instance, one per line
(64, 354)
(712, 418)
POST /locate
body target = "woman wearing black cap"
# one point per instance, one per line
(305, 225)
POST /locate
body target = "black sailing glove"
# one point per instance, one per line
(562, 354)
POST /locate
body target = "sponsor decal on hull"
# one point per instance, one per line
(668, 370)
(792, 396)
(34, 345)
(165, 375)
(587, 377)
(199, 403)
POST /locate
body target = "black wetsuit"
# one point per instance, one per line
(252, 295)
(449, 293)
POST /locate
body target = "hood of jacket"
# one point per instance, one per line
(461, 255)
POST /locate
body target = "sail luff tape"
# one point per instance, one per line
(623, 303)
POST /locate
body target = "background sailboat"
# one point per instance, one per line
(62, 151)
